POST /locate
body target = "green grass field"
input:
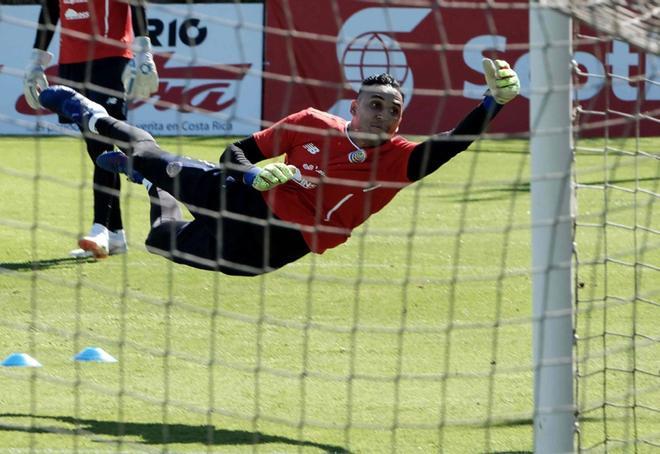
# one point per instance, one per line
(415, 336)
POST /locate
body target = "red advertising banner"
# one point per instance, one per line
(317, 56)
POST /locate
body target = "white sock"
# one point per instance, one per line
(94, 118)
(147, 184)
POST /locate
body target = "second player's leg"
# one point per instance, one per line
(106, 89)
(100, 80)
(107, 209)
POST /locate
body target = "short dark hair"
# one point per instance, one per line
(381, 79)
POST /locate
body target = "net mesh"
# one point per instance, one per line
(616, 256)
(416, 334)
(634, 21)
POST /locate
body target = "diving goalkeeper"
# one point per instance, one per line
(248, 219)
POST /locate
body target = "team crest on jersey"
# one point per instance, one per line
(357, 156)
(313, 149)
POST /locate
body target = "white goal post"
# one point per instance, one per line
(551, 194)
(554, 112)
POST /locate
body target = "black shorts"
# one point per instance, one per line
(106, 73)
(233, 247)
(248, 239)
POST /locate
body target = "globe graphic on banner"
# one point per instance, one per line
(374, 53)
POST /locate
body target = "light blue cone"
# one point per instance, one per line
(20, 360)
(94, 355)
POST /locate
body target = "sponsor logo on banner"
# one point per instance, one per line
(366, 46)
(438, 52)
(183, 88)
(209, 73)
(180, 88)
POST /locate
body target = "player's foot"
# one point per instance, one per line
(70, 104)
(117, 162)
(80, 253)
(96, 241)
(117, 242)
(116, 245)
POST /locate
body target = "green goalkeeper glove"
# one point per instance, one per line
(502, 81)
(271, 175)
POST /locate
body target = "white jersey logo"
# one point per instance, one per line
(313, 149)
(304, 182)
(71, 14)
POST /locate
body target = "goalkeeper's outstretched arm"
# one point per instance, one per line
(428, 156)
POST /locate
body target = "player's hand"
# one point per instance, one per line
(272, 175)
(502, 81)
(140, 76)
(35, 79)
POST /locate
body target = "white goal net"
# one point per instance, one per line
(424, 332)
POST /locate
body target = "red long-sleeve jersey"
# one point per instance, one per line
(339, 184)
(94, 29)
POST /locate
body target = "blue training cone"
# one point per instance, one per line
(20, 360)
(94, 355)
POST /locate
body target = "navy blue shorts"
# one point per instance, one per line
(106, 73)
